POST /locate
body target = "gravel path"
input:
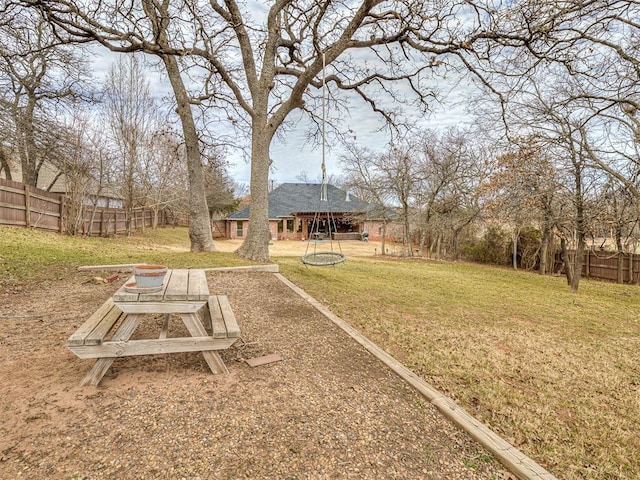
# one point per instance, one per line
(327, 410)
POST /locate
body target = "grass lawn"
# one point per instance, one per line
(556, 374)
(24, 252)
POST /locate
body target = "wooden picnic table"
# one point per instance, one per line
(106, 335)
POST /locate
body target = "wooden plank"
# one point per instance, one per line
(257, 361)
(218, 328)
(155, 296)
(122, 295)
(124, 332)
(122, 266)
(115, 349)
(177, 286)
(233, 331)
(107, 314)
(204, 314)
(165, 326)
(192, 322)
(198, 288)
(104, 327)
(160, 307)
(11, 206)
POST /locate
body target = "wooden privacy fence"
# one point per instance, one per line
(111, 221)
(604, 265)
(25, 206)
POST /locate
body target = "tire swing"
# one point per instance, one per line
(326, 219)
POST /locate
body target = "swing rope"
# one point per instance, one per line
(323, 258)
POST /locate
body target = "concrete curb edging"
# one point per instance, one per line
(512, 458)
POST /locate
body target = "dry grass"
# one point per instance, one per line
(556, 374)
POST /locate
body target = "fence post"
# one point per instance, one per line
(587, 263)
(61, 214)
(27, 207)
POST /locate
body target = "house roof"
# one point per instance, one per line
(290, 198)
(48, 173)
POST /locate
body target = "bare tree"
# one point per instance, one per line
(144, 26)
(619, 217)
(368, 183)
(575, 88)
(132, 118)
(262, 67)
(38, 76)
(103, 173)
(399, 171)
(445, 161)
(523, 188)
(75, 169)
(163, 173)
(220, 187)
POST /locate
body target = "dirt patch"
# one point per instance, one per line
(327, 410)
(291, 248)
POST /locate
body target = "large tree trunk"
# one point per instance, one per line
(200, 225)
(256, 243)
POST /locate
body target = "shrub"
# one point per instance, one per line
(528, 248)
(492, 248)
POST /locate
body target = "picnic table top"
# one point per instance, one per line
(179, 285)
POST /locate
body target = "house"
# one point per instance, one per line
(294, 206)
(52, 179)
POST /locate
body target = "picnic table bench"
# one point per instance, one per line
(209, 319)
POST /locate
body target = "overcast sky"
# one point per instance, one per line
(293, 156)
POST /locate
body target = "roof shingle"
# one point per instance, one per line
(289, 198)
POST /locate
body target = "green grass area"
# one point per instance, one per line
(28, 255)
(556, 374)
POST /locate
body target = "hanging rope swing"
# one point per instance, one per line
(323, 258)
(326, 218)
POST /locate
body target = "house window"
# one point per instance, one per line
(280, 226)
(240, 228)
(290, 226)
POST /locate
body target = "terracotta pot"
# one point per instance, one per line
(149, 275)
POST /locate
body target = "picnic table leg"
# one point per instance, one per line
(165, 327)
(124, 332)
(196, 329)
